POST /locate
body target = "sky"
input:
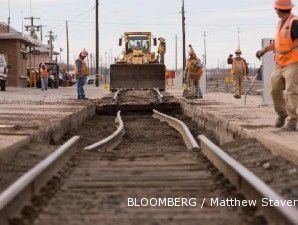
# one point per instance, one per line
(220, 19)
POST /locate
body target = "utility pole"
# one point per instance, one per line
(50, 42)
(205, 54)
(176, 53)
(205, 48)
(106, 70)
(101, 67)
(32, 28)
(8, 20)
(67, 47)
(91, 64)
(183, 36)
(40, 29)
(111, 56)
(97, 44)
(22, 13)
(238, 31)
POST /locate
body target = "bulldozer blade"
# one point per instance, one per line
(143, 76)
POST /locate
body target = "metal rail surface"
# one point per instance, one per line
(113, 140)
(159, 95)
(21, 191)
(178, 125)
(117, 96)
(249, 184)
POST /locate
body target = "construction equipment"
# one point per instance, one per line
(3, 72)
(138, 66)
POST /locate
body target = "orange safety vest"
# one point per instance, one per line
(84, 69)
(286, 50)
(43, 73)
(193, 71)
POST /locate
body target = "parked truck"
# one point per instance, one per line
(3, 72)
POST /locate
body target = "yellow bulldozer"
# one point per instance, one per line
(137, 67)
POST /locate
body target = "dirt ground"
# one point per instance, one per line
(279, 173)
(151, 161)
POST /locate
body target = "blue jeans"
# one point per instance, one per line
(44, 84)
(80, 87)
(198, 91)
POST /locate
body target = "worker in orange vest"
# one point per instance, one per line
(285, 74)
(44, 78)
(162, 49)
(81, 73)
(194, 71)
(32, 78)
(238, 71)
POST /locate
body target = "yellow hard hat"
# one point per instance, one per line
(238, 51)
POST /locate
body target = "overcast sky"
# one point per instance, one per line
(220, 19)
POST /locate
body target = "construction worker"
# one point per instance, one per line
(194, 71)
(44, 78)
(81, 72)
(32, 78)
(285, 74)
(238, 71)
(162, 49)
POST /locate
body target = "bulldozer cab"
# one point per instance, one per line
(135, 42)
(137, 67)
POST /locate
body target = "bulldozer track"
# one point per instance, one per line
(151, 161)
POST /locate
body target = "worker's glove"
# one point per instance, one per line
(260, 53)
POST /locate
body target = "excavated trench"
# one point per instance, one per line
(151, 162)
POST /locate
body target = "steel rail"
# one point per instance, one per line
(189, 140)
(249, 184)
(113, 140)
(159, 95)
(116, 96)
(20, 192)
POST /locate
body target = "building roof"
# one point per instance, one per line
(45, 49)
(16, 35)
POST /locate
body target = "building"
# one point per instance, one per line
(42, 55)
(16, 47)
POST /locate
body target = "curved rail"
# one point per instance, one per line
(249, 184)
(113, 140)
(21, 191)
(189, 140)
(116, 96)
(159, 95)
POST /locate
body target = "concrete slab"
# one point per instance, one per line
(229, 119)
(10, 144)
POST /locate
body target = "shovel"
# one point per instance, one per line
(251, 85)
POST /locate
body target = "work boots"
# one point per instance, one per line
(291, 125)
(280, 122)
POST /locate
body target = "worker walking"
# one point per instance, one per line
(162, 49)
(238, 71)
(32, 78)
(285, 74)
(194, 71)
(81, 73)
(44, 78)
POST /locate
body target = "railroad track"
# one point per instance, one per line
(145, 96)
(150, 161)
